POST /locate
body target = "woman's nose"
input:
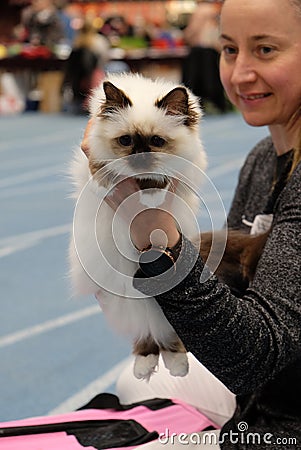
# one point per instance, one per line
(243, 71)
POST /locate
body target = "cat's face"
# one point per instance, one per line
(134, 128)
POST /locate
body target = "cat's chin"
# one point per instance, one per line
(153, 183)
(153, 190)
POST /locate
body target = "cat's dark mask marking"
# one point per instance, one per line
(140, 144)
(176, 102)
(115, 99)
(142, 152)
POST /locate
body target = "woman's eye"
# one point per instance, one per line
(125, 140)
(229, 51)
(157, 141)
(265, 50)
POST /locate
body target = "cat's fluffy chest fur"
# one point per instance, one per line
(146, 129)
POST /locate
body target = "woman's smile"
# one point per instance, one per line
(253, 99)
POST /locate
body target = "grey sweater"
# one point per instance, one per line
(252, 344)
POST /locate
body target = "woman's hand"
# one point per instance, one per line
(148, 226)
(85, 142)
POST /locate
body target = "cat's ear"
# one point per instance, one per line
(177, 103)
(115, 98)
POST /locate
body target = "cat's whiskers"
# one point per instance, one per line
(101, 173)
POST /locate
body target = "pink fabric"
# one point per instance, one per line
(178, 418)
(47, 441)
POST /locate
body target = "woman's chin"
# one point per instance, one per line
(255, 119)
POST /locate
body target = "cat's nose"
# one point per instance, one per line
(141, 144)
(138, 149)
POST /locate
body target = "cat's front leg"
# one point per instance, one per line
(147, 355)
(175, 358)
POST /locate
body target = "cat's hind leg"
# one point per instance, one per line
(175, 359)
(147, 355)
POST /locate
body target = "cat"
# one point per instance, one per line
(133, 116)
(150, 130)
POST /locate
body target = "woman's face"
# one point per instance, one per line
(261, 59)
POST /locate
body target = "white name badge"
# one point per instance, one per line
(262, 223)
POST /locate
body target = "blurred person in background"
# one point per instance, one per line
(201, 67)
(88, 37)
(42, 23)
(116, 27)
(66, 21)
(85, 66)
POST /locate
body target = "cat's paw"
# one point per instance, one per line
(145, 366)
(176, 363)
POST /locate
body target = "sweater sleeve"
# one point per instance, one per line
(244, 341)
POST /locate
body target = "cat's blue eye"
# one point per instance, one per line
(126, 140)
(157, 141)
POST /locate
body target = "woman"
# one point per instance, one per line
(251, 344)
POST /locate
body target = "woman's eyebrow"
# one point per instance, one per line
(261, 37)
(258, 37)
(227, 38)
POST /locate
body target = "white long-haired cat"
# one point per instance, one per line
(158, 121)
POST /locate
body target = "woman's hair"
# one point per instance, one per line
(297, 154)
(297, 5)
(297, 150)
